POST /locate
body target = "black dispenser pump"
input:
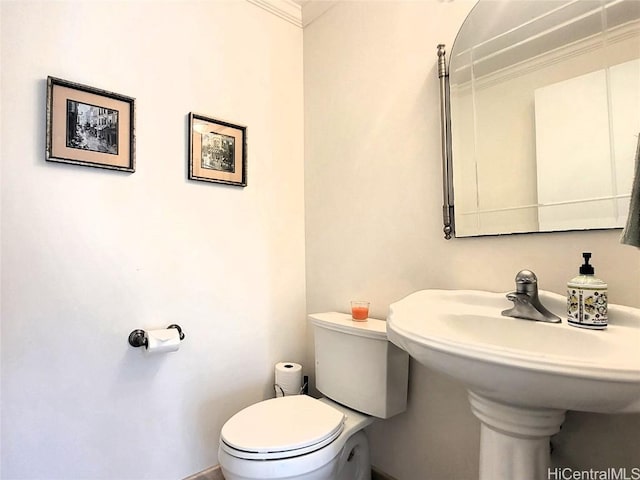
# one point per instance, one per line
(585, 268)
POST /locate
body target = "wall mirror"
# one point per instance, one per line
(541, 105)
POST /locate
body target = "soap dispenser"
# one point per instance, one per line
(587, 299)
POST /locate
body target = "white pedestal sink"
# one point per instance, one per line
(522, 375)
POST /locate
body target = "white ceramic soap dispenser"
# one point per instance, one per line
(587, 299)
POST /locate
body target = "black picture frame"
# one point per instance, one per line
(217, 151)
(89, 126)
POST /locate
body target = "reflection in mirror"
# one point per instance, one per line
(545, 115)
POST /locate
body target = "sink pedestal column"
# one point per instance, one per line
(514, 441)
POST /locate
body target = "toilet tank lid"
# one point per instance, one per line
(342, 322)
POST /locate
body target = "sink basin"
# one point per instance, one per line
(521, 375)
(523, 362)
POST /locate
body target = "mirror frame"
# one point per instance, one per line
(445, 136)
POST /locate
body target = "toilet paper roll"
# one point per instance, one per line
(162, 341)
(288, 379)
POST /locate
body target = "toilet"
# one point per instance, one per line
(362, 376)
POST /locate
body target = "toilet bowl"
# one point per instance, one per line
(363, 377)
(301, 438)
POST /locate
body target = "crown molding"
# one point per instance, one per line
(285, 9)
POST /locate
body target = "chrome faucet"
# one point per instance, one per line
(526, 303)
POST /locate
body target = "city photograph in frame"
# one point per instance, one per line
(217, 151)
(88, 126)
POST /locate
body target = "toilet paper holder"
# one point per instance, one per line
(138, 337)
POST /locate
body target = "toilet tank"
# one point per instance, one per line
(357, 366)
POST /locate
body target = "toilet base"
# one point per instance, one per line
(355, 461)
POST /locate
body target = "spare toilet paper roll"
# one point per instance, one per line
(162, 341)
(288, 378)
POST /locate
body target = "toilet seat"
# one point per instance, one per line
(289, 426)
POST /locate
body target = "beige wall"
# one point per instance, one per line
(373, 213)
(89, 255)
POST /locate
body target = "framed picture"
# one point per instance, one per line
(88, 126)
(217, 151)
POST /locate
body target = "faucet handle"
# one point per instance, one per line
(527, 282)
(526, 276)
